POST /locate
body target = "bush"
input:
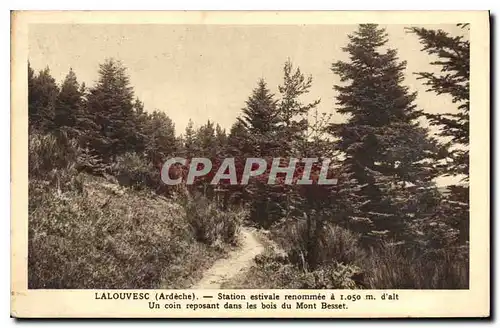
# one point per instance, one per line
(392, 267)
(273, 271)
(133, 171)
(309, 245)
(332, 276)
(267, 203)
(48, 152)
(53, 163)
(211, 225)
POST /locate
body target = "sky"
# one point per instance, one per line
(203, 72)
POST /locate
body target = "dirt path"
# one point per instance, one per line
(238, 261)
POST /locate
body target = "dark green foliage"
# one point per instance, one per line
(110, 102)
(383, 144)
(221, 141)
(206, 141)
(70, 109)
(159, 137)
(259, 115)
(210, 225)
(260, 118)
(238, 143)
(189, 140)
(293, 114)
(42, 94)
(451, 55)
(133, 171)
(275, 272)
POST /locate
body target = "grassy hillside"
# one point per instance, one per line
(87, 232)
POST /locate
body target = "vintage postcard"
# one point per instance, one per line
(250, 164)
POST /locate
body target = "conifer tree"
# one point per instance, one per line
(292, 118)
(31, 95)
(110, 102)
(69, 106)
(160, 140)
(451, 55)
(142, 119)
(238, 145)
(189, 140)
(42, 94)
(383, 145)
(239, 148)
(206, 140)
(86, 124)
(260, 118)
(221, 140)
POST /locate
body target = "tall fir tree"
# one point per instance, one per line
(141, 118)
(31, 95)
(42, 94)
(189, 140)
(260, 118)
(221, 140)
(160, 140)
(206, 140)
(293, 114)
(383, 145)
(69, 106)
(237, 143)
(110, 102)
(451, 54)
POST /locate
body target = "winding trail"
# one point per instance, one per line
(238, 261)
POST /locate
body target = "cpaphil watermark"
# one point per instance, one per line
(198, 167)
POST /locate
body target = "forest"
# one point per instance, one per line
(100, 215)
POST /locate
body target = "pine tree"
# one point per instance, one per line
(160, 140)
(206, 140)
(260, 118)
(110, 103)
(292, 118)
(189, 139)
(141, 118)
(452, 57)
(239, 148)
(86, 124)
(42, 94)
(238, 141)
(31, 95)
(69, 106)
(383, 145)
(221, 140)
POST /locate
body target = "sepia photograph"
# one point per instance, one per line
(249, 156)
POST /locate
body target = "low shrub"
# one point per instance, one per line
(393, 267)
(272, 271)
(48, 152)
(133, 171)
(210, 224)
(309, 245)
